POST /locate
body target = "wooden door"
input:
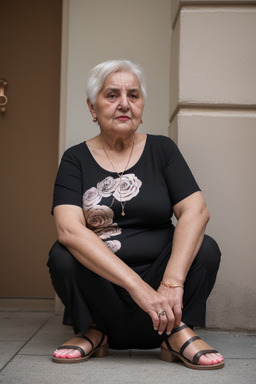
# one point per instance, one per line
(30, 52)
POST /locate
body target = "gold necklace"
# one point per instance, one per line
(120, 175)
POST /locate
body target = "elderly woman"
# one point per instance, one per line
(127, 277)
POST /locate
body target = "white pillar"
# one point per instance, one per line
(213, 119)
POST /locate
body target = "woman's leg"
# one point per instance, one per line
(64, 271)
(88, 298)
(199, 282)
(198, 286)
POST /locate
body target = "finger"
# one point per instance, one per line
(177, 314)
(170, 321)
(163, 320)
(155, 319)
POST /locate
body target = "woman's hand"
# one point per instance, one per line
(174, 298)
(153, 302)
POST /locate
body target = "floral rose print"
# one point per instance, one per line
(107, 186)
(128, 187)
(91, 197)
(106, 233)
(113, 245)
(100, 216)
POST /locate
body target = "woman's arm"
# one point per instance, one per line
(192, 215)
(88, 248)
(91, 251)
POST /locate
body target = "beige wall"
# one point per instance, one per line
(99, 30)
(213, 116)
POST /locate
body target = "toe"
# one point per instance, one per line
(216, 357)
(73, 354)
(63, 353)
(58, 352)
(67, 354)
(210, 359)
(205, 360)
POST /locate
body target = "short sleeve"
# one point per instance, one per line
(68, 183)
(180, 180)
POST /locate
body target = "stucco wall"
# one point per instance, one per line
(213, 116)
(99, 30)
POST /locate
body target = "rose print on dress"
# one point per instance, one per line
(91, 197)
(106, 233)
(113, 245)
(128, 187)
(107, 186)
(99, 218)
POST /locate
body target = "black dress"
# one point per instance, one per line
(142, 238)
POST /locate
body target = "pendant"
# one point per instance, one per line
(123, 205)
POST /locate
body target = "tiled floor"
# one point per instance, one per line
(27, 340)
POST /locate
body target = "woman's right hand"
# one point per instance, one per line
(152, 303)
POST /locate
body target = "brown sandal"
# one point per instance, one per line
(170, 355)
(99, 351)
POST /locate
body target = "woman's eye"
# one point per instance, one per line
(111, 96)
(133, 96)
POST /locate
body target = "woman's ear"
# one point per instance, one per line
(91, 109)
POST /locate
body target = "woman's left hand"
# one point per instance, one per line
(174, 297)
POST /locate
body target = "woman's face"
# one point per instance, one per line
(119, 104)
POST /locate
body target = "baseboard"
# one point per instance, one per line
(27, 304)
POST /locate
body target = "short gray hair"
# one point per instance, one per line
(99, 73)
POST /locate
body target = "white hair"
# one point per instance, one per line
(99, 73)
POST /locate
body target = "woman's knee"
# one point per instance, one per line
(209, 253)
(60, 259)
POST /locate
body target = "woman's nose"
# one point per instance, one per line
(124, 104)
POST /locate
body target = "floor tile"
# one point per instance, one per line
(41, 370)
(231, 345)
(48, 338)
(20, 325)
(27, 340)
(119, 368)
(8, 349)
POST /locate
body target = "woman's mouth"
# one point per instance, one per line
(123, 118)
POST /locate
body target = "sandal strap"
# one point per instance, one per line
(168, 345)
(97, 329)
(77, 348)
(101, 340)
(73, 347)
(200, 353)
(189, 341)
(174, 331)
(90, 341)
(179, 329)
